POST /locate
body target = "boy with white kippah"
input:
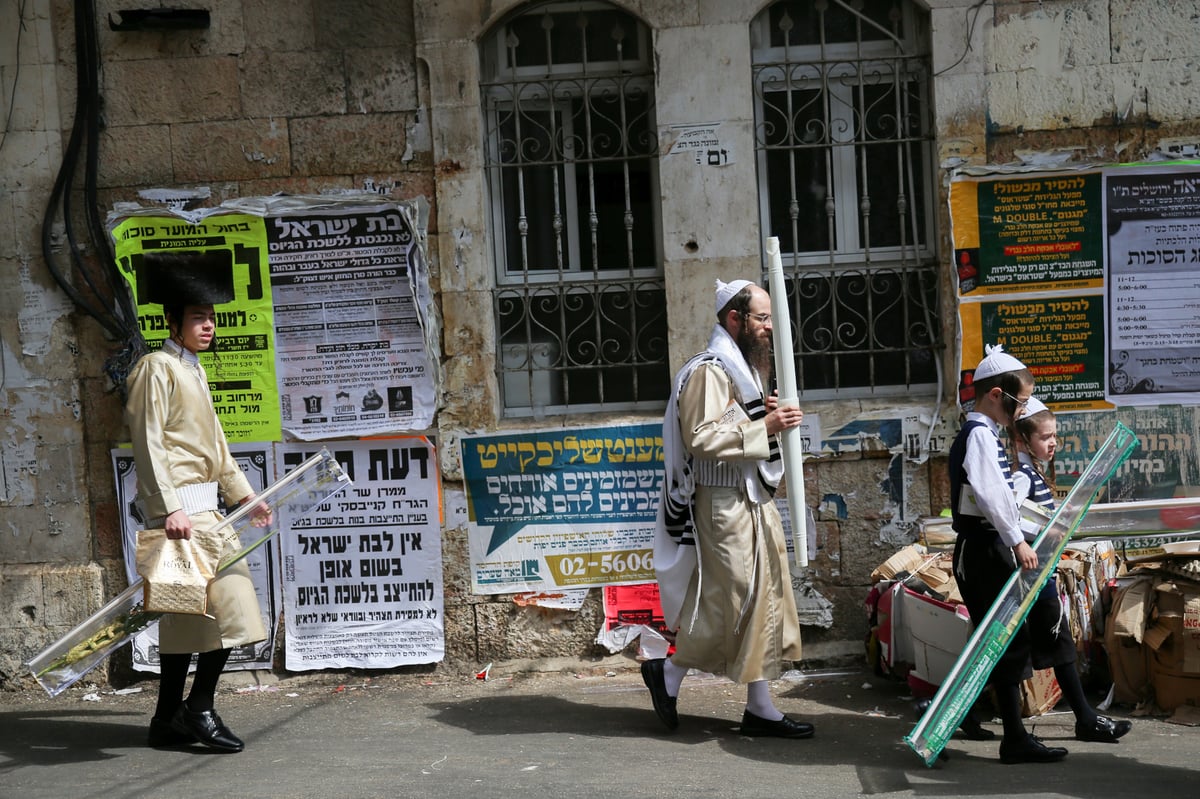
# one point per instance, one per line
(990, 544)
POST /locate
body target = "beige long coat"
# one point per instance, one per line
(747, 622)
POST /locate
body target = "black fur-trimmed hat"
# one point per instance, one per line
(188, 277)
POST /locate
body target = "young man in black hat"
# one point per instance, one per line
(183, 463)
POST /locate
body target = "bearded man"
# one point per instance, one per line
(720, 554)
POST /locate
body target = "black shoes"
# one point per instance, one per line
(163, 735)
(664, 704)
(207, 728)
(972, 730)
(1030, 750)
(758, 727)
(1103, 730)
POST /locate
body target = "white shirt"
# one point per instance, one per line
(992, 492)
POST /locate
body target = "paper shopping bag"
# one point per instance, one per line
(176, 571)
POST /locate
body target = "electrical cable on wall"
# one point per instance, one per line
(86, 269)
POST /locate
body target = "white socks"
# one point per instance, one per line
(673, 676)
(758, 701)
(758, 693)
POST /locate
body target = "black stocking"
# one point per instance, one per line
(209, 666)
(173, 671)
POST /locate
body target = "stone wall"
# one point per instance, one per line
(307, 96)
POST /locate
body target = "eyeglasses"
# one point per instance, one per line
(763, 318)
(1021, 403)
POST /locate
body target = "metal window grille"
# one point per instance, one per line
(844, 138)
(571, 159)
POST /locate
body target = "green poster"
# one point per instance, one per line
(241, 372)
(1060, 339)
(1032, 232)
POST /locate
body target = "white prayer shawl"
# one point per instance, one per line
(675, 557)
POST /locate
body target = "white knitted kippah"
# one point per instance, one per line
(1034, 405)
(725, 291)
(996, 362)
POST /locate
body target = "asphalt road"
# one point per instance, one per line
(586, 731)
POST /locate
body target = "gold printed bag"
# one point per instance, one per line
(176, 571)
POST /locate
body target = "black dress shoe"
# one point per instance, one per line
(972, 730)
(1103, 730)
(1030, 750)
(163, 735)
(207, 728)
(758, 727)
(664, 704)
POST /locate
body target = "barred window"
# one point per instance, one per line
(571, 158)
(844, 137)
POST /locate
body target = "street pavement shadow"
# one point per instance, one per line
(54, 737)
(534, 715)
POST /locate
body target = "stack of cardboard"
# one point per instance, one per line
(920, 626)
(1153, 637)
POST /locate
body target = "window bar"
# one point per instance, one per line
(861, 136)
(618, 35)
(831, 278)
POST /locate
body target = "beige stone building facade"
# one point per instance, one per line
(592, 167)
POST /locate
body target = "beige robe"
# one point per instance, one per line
(747, 622)
(178, 440)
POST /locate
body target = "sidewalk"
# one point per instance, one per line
(589, 732)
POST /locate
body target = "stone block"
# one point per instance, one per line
(703, 75)
(234, 150)
(458, 20)
(367, 23)
(37, 36)
(842, 643)
(958, 46)
(456, 569)
(12, 241)
(470, 391)
(21, 603)
(135, 155)
(962, 107)
(460, 634)
(698, 219)
(1050, 38)
(293, 84)
(295, 184)
(34, 97)
(457, 150)
(1153, 30)
(380, 79)
(467, 317)
(452, 67)
(274, 26)
(26, 160)
(348, 144)
(36, 534)
(171, 90)
(492, 620)
(106, 518)
(71, 593)
(1171, 92)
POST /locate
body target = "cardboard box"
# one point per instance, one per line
(1040, 693)
(908, 560)
(937, 632)
(933, 635)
